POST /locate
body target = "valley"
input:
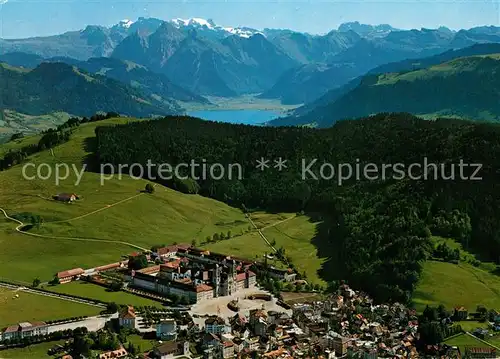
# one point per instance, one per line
(401, 264)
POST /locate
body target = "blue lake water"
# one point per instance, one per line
(247, 117)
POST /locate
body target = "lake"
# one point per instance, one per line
(247, 117)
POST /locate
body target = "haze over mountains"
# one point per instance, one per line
(171, 62)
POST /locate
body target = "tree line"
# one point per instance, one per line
(50, 139)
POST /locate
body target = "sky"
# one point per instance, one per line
(27, 18)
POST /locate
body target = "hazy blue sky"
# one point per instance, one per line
(22, 18)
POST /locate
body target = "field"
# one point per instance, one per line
(463, 340)
(145, 344)
(106, 223)
(94, 291)
(245, 102)
(37, 351)
(33, 307)
(456, 285)
(13, 122)
(292, 298)
(295, 235)
(249, 246)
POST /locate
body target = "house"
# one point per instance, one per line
(119, 353)
(170, 349)
(24, 330)
(340, 345)
(216, 325)
(171, 251)
(167, 330)
(483, 353)
(260, 327)
(256, 315)
(238, 344)
(287, 275)
(69, 275)
(227, 349)
(461, 313)
(210, 340)
(127, 317)
(66, 197)
(251, 343)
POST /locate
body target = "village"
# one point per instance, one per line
(214, 306)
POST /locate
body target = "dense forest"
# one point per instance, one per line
(375, 232)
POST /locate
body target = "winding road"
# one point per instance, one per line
(81, 239)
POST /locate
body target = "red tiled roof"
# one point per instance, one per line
(70, 273)
(170, 265)
(11, 329)
(240, 277)
(184, 280)
(128, 313)
(203, 288)
(148, 270)
(259, 314)
(109, 266)
(113, 354)
(480, 350)
(228, 344)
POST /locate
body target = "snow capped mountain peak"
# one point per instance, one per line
(126, 23)
(209, 24)
(194, 21)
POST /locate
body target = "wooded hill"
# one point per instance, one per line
(375, 233)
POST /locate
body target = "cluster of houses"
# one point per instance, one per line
(345, 323)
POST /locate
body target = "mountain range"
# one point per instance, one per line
(61, 87)
(170, 62)
(460, 83)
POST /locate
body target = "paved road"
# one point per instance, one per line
(93, 324)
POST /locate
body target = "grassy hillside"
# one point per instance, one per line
(115, 211)
(14, 122)
(60, 87)
(463, 87)
(456, 285)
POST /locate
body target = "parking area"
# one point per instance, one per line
(218, 306)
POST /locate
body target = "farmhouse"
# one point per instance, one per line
(66, 197)
(171, 251)
(69, 275)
